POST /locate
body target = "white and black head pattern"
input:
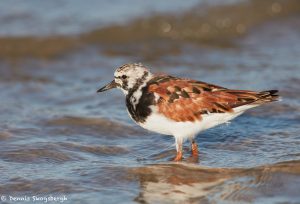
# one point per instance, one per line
(130, 77)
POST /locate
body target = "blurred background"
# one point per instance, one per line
(58, 137)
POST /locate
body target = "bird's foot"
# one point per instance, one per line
(178, 157)
(195, 152)
(194, 158)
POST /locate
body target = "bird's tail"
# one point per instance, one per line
(267, 96)
(254, 98)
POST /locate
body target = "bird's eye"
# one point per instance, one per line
(124, 76)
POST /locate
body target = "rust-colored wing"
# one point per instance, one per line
(186, 100)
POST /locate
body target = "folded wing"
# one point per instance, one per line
(187, 100)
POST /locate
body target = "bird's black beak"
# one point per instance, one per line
(111, 85)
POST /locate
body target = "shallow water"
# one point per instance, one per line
(58, 137)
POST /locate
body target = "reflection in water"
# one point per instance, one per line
(183, 183)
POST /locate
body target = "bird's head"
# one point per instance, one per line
(128, 77)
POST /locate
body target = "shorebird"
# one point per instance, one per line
(181, 107)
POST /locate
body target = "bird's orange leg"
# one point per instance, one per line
(179, 149)
(195, 152)
(178, 156)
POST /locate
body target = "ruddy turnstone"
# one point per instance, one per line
(181, 107)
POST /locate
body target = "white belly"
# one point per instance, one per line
(157, 122)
